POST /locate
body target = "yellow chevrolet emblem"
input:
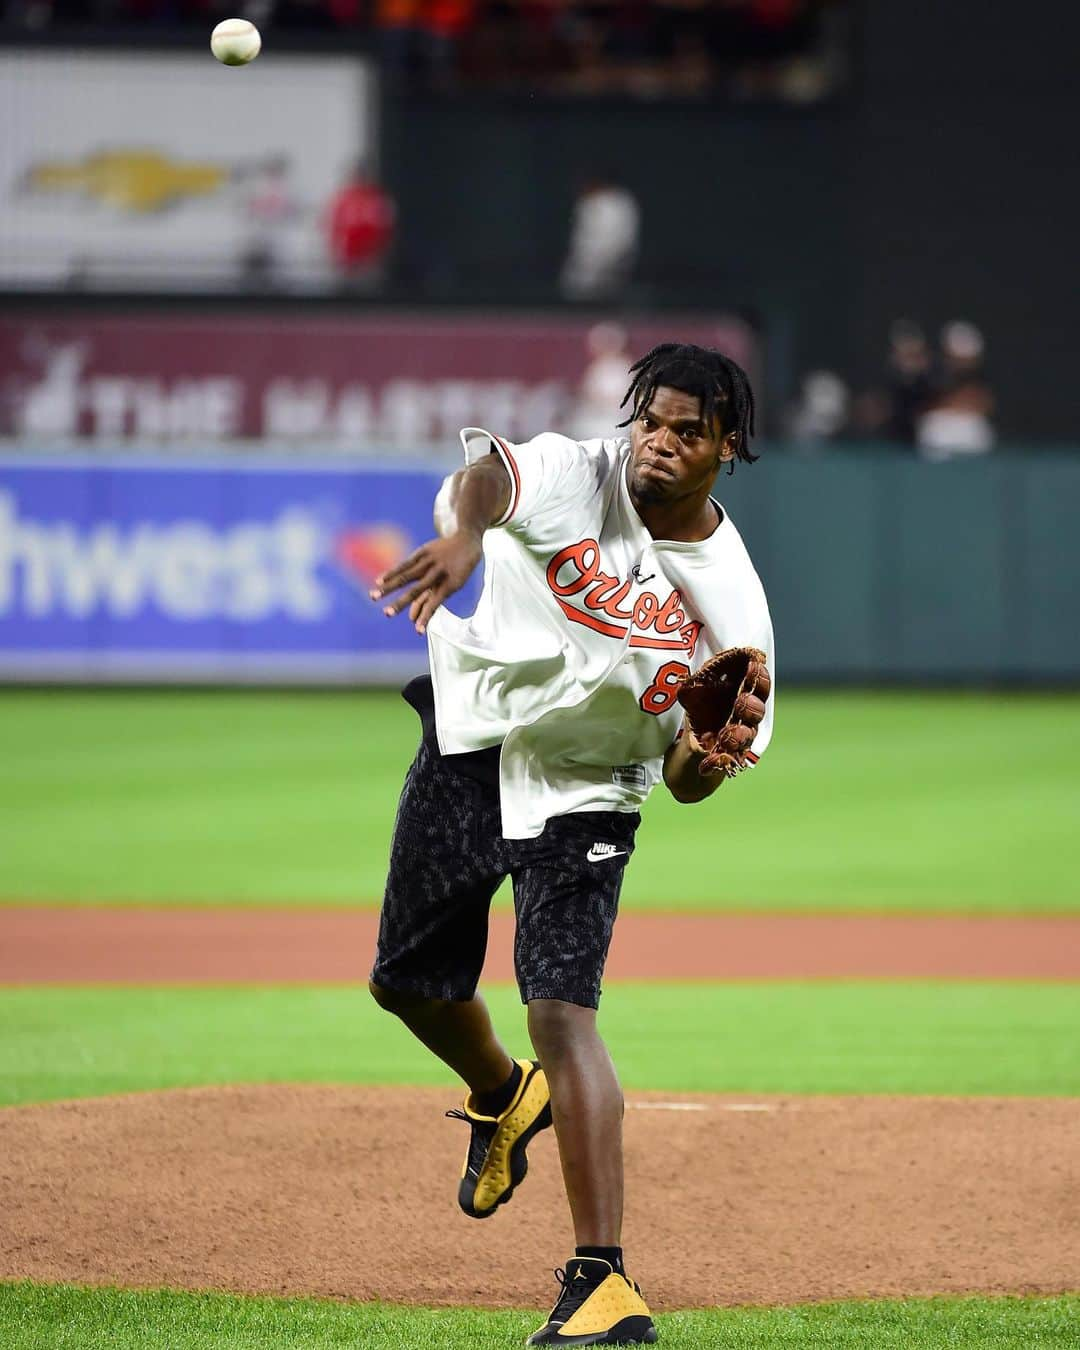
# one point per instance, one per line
(131, 180)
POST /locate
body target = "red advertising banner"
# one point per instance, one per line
(404, 382)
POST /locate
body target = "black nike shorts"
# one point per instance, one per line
(447, 859)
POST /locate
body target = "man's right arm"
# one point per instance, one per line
(469, 502)
(473, 498)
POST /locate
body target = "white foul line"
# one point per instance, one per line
(700, 1106)
(668, 1106)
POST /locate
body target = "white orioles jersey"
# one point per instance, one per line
(583, 630)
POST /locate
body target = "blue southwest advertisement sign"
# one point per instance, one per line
(206, 570)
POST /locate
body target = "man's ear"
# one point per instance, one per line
(727, 447)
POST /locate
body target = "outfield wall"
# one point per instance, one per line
(878, 567)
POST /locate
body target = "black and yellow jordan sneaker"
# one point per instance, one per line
(495, 1163)
(597, 1306)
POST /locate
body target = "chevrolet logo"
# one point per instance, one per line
(138, 181)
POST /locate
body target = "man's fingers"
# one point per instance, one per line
(406, 600)
(398, 576)
(705, 740)
(427, 605)
(426, 578)
(414, 608)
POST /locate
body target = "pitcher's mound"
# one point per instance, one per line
(351, 1191)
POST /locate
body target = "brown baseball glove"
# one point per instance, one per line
(725, 702)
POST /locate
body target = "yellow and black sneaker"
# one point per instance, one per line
(495, 1163)
(597, 1306)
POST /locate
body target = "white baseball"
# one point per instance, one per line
(235, 42)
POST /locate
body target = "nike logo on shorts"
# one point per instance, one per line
(601, 852)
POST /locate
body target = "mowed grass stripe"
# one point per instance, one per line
(866, 801)
(61, 1317)
(813, 1037)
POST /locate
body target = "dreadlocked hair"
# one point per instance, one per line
(715, 379)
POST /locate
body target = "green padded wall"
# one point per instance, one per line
(882, 567)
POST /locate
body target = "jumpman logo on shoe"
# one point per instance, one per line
(601, 852)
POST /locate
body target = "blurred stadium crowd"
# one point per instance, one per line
(937, 400)
(355, 191)
(786, 49)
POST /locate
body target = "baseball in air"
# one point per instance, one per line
(235, 42)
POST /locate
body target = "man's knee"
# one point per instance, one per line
(396, 1002)
(560, 1027)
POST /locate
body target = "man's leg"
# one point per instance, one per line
(446, 860)
(460, 1033)
(507, 1106)
(598, 1303)
(434, 921)
(566, 893)
(587, 1107)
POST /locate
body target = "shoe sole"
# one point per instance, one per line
(629, 1331)
(519, 1166)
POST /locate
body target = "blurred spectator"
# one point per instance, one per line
(397, 29)
(270, 209)
(957, 420)
(892, 411)
(360, 229)
(909, 380)
(445, 23)
(820, 415)
(604, 233)
(603, 383)
(419, 39)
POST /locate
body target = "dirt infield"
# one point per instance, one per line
(351, 1192)
(160, 946)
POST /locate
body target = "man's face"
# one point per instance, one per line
(673, 454)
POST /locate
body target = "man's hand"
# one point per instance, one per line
(682, 766)
(469, 502)
(724, 703)
(434, 572)
(701, 744)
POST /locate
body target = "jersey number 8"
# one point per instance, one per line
(661, 694)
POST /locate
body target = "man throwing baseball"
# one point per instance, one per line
(622, 637)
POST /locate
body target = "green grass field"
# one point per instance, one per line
(848, 1037)
(870, 802)
(866, 802)
(35, 1317)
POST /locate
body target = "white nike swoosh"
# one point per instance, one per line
(601, 857)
